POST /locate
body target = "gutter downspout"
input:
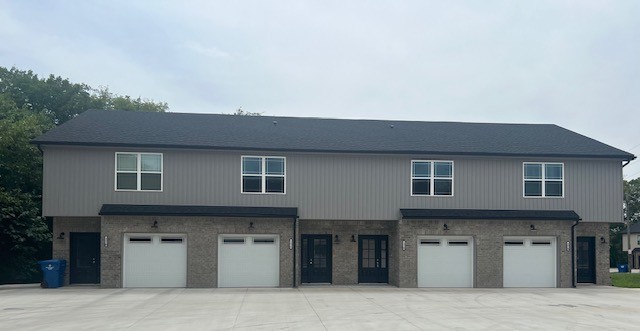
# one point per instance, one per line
(573, 252)
(630, 261)
(627, 223)
(293, 243)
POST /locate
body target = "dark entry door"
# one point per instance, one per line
(316, 258)
(84, 266)
(373, 259)
(586, 259)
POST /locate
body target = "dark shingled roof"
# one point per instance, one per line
(474, 214)
(635, 228)
(232, 132)
(168, 210)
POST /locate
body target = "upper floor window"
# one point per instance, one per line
(432, 178)
(263, 174)
(543, 179)
(138, 172)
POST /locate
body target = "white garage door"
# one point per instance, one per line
(529, 262)
(152, 260)
(248, 261)
(445, 262)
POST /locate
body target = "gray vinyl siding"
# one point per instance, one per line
(78, 180)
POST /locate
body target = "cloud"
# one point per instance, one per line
(210, 51)
(572, 63)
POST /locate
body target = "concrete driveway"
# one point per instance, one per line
(319, 308)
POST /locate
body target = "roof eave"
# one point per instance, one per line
(623, 157)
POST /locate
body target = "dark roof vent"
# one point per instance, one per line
(275, 122)
(391, 126)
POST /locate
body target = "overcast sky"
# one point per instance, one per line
(571, 63)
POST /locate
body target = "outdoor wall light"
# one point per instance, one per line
(336, 239)
(532, 227)
(353, 238)
(155, 225)
(290, 243)
(61, 236)
(105, 241)
(404, 245)
(602, 240)
(445, 227)
(251, 226)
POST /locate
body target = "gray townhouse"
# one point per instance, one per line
(199, 200)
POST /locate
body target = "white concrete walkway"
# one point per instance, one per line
(319, 308)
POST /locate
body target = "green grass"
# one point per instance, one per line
(625, 280)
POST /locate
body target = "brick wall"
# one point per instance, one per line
(202, 243)
(345, 252)
(598, 230)
(488, 246)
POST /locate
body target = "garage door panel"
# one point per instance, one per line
(248, 261)
(529, 262)
(445, 262)
(155, 261)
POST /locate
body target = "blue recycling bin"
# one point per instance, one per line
(52, 273)
(623, 267)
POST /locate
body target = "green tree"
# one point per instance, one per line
(632, 200)
(105, 100)
(241, 112)
(20, 161)
(24, 234)
(58, 98)
(62, 100)
(29, 106)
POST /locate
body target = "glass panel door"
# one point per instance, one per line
(373, 257)
(316, 259)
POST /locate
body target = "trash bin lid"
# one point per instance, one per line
(53, 264)
(52, 261)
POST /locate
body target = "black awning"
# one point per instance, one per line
(183, 210)
(471, 214)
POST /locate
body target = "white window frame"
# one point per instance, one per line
(138, 172)
(543, 180)
(431, 179)
(263, 175)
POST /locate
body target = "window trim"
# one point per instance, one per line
(431, 179)
(140, 240)
(234, 240)
(138, 172)
(263, 175)
(543, 180)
